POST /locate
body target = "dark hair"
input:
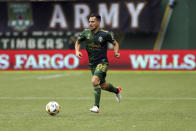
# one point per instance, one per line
(98, 17)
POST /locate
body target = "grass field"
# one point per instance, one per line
(152, 101)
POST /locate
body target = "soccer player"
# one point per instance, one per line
(96, 40)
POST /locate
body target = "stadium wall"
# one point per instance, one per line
(36, 27)
(180, 33)
(181, 29)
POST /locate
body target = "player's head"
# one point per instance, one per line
(94, 21)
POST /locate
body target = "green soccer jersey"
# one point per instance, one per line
(96, 45)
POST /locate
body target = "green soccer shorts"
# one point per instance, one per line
(100, 70)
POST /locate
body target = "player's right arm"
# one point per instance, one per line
(77, 49)
(77, 44)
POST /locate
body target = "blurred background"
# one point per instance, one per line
(36, 20)
(136, 24)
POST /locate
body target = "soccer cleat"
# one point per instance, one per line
(94, 109)
(118, 96)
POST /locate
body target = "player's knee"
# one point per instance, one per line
(104, 86)
(95, 81)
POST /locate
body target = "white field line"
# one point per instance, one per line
(51, 76)
(104, 98)
(57, 76)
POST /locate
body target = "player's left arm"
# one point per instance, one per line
(116, 49)
(110, 38)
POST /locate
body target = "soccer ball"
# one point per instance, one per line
(52, 108)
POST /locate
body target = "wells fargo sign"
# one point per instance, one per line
(129, 60)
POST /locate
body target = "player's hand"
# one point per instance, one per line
(78, 54)
(117, 55)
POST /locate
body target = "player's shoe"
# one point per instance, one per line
(94, 109)
(118, 96)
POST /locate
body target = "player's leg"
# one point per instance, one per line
(98, 78)
(109, 87)
(97, 91)
(101, 72)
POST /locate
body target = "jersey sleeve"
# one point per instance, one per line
(81, 37)
(110, 37)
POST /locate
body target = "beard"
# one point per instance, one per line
(93, 29)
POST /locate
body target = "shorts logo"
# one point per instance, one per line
(20, 16)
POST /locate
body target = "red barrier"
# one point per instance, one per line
(66, 60)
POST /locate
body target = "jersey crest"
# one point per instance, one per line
(100, 39)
